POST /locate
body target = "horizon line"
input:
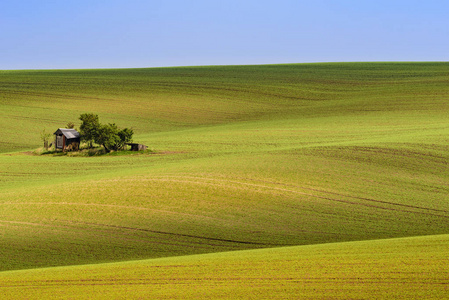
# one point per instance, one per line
(225, 65)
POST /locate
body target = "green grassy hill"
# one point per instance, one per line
(244, 157)
(407, 268)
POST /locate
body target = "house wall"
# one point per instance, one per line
(142, 147)
(138, 147)
(59, 142)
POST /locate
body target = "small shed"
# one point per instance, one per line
(137, 147)
(67, 139)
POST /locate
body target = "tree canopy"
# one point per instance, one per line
(89, 128)
(109, 135)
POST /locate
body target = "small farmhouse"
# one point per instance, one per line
(67, 139)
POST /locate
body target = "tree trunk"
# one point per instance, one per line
(106, 148)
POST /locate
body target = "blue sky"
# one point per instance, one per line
(67, 34)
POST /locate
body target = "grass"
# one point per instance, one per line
(406, 268)
(245, 157)
(167, 99)
(167, 205)
(95, 151)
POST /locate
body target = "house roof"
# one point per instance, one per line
(68, 133)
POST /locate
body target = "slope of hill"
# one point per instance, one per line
(407, 268)
(245, 157)
(162, 99)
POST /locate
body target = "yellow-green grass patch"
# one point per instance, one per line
(406, 268)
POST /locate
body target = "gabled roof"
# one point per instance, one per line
(68, 133)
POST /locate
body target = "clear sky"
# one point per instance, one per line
(61, 34)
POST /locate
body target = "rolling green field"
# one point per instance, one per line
(294, 160)
(407, 268)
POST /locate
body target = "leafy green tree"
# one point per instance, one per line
(112, 138)
(109, 136)
(89, 128)
(126, 136)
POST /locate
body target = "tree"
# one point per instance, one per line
(89, 128)
(112, 138)
(70, 125)
(126, 136)
(109, 136)
(45, 137)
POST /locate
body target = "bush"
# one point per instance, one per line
(72, 147)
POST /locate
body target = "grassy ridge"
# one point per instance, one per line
(395, 269)
(188, 206)
(161, 99)
(246, 157)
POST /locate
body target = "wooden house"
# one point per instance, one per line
(67, 139)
